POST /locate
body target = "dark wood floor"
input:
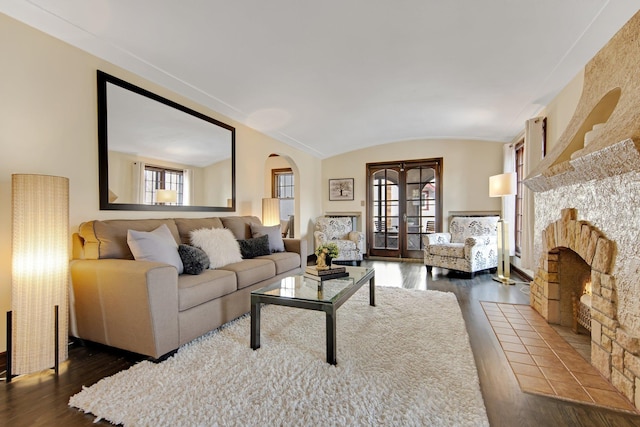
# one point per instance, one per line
(41, 399)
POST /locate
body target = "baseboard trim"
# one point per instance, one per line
(393, 259)
(521, 273)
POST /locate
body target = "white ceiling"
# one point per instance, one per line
(333, 76)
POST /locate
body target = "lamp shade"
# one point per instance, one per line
(503, 185)
(270, 211)
(166, 196)
(40, 270)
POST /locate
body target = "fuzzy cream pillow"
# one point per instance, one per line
(219, 244)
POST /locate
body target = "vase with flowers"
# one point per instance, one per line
(325, 253)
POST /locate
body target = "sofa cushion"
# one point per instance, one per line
(220, 245)
(285, 261)
(251, 271)
(194, 260)
(157, 245)
(449, 249)
(274, 232)
(211, 284)
(240, 225)
(251, 248)
(108, 239)
(187, 225)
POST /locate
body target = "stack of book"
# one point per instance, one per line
(331, 273)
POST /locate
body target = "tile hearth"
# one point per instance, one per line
(544, 363)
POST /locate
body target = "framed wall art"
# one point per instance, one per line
(341, 189)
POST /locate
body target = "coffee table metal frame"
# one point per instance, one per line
(329, 307)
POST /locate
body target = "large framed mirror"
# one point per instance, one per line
(155, 154)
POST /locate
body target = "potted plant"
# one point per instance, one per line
(325, 253)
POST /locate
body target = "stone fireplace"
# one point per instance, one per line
(586, 197)
(601, 230)
(573, 252)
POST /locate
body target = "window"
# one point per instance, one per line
(283, 188)
(519, 196)
(282, 183)
(159, 178)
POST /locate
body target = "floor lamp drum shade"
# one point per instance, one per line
(40, 270)
(502, 185)
(270, 211)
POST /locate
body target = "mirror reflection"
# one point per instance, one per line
(158, 155)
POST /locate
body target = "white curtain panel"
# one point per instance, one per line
(533, 139)
(138, 182)
(187, 190)
(509, 202)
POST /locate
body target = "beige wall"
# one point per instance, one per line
(48, 125)
(467, 166)
(561, 109)
(558, 113)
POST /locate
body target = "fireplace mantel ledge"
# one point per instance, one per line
(616, 159)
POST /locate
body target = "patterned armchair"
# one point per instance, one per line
(340, 231)
(470, 246)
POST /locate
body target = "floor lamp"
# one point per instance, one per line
(270, 211)
(500, 186)
(37, 324)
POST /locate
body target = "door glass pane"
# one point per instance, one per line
(386, 219)
(420, 206)
(413, 242)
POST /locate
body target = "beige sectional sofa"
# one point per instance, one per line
(146, 307)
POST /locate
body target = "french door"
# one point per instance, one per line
(403, 204)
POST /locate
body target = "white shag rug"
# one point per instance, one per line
(406, 362)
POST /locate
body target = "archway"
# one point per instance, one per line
(281, 175)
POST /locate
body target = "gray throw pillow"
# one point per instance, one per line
(195, 260)
(157, 245)
(251, 248)
(276, 244)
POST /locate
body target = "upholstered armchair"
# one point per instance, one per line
(471, 245)
(339, 230)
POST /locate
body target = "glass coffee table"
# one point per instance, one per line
(302, 292)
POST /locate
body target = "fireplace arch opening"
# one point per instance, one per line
(574, 281)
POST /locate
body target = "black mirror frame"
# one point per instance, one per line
(103, 149)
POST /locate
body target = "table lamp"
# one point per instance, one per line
(166, 196)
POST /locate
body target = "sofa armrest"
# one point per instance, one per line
(132, 305)
(319, 238)
(437, 238)
(485, 240)
(475, 244)
(358, 237)
(298, 246)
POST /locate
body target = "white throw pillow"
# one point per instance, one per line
(220, 245)
(276, 244)
(157, 245)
